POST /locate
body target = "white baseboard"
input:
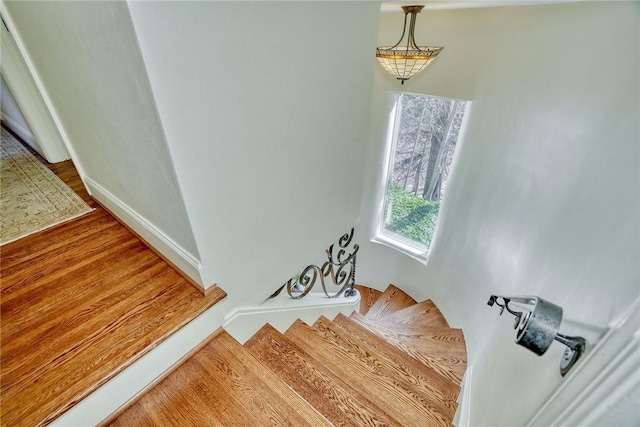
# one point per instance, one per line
(172, 251)
(281, 311)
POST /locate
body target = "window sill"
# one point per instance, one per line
(412, 251)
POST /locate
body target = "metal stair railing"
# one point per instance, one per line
(340, 268)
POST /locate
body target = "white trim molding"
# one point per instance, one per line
(172, 251)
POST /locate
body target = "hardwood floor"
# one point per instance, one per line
(79, 303)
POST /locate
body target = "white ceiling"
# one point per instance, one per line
(395, 6)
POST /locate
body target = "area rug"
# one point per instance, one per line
(33, 197)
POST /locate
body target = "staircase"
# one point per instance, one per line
(396, 362)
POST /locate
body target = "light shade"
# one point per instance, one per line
(406, 59)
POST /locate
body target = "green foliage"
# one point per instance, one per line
(411, 216)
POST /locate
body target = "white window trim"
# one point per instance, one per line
(414, 252)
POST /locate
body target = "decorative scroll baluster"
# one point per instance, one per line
(340, 267)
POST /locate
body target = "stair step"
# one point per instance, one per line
(257, 387)
(424, 313)
(445, 338)
(180, 399)
(336, 400)
(368, 297)
(417, 330)
(437, 340)
(451, 365)
(222, 384)
(437, 375)
(391, 300)
(405, 394)
(440, 341)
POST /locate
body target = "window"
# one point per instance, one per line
(423, 138)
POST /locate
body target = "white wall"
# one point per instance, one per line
(265, 107)
(544, 198)
(87, 58)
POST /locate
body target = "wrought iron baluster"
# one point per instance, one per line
(341, 269)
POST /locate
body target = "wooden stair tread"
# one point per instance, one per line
(392, 299)
(379, 346)
(288, 403)
(451, 365)
(424, 313)
(81, 302)
(189, 404)
(436, 340)
(418, 331)
(405, 394)
(429, 366)
(231, 387)
(368, 297)
(337, 401)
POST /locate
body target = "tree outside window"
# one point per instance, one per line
(426, 130)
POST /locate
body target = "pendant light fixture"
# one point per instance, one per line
(405, 59)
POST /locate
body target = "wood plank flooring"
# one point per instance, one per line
(79, 303)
